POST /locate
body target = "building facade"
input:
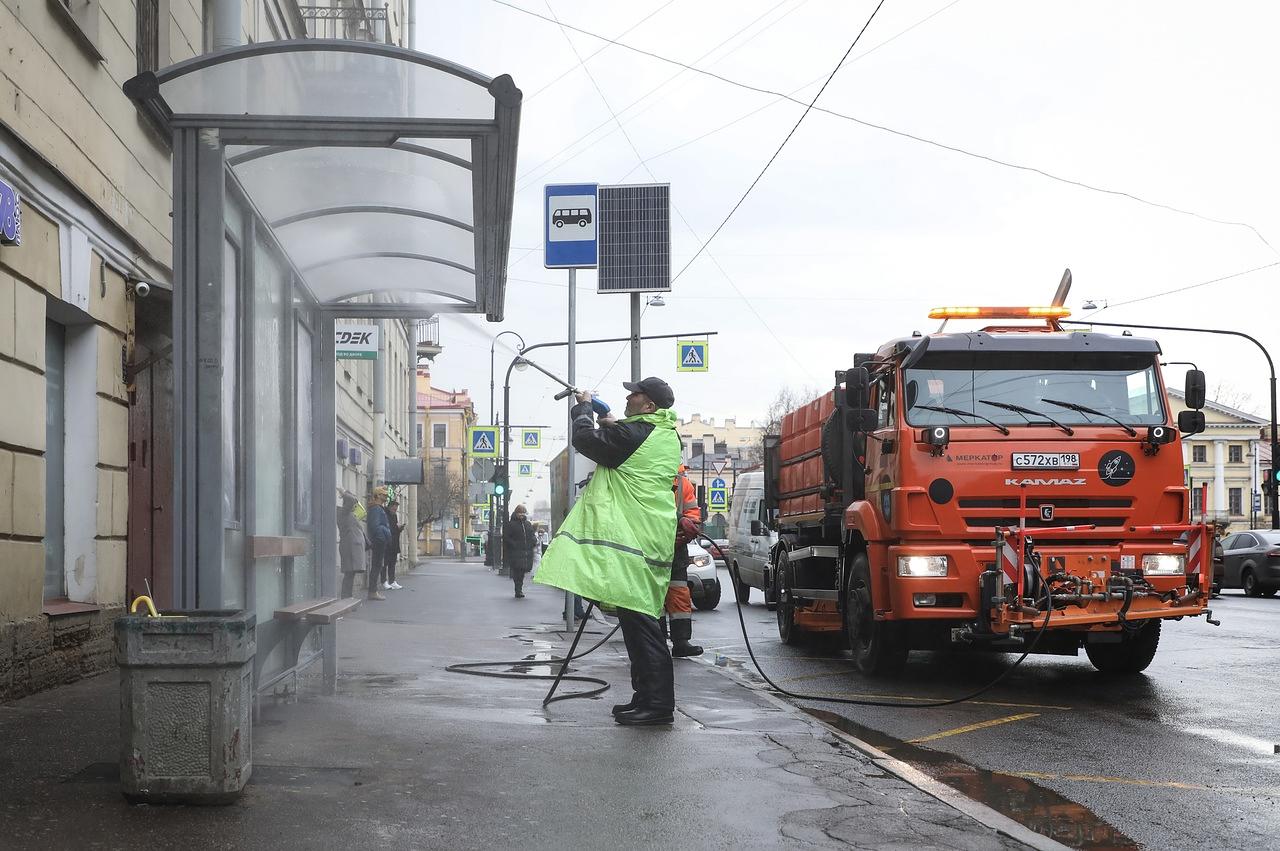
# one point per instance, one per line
(1224, 465)
(449, 516)
(704, 436)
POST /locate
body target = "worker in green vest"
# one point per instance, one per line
(617, 544)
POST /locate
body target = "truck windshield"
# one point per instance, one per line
(1121, 385)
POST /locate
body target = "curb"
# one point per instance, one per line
(975, 810)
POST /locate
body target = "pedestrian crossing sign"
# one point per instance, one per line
(531, 438)
(526, 469)
(482, 441)
(692, 355)
(718, 499)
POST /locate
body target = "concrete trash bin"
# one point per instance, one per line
(186, 699)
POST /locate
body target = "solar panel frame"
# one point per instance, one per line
(634, 234)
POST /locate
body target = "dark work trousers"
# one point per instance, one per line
(376, 567)
(392, 557)
(652, 678)
(517, 576)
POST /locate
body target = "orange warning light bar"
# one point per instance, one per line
(1049, 312)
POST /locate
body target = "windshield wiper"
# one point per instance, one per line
(959, 413)
(1085, 409)
(1023, 410)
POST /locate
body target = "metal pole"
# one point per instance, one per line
(569, 453)
(635, 337)
(1275, 438)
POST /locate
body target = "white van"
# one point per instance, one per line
(750, 539)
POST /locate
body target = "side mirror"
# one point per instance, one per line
(916, 353)
(1191, 422)
(857, 387)
(861, 420)
(757, 528)
(1194, 390)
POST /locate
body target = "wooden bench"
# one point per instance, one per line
(290, 626)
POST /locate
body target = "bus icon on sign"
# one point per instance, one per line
(580, 216)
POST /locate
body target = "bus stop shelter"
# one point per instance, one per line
(312, 180)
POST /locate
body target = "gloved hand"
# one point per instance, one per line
(686, 530)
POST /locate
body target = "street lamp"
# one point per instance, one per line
(493, 413)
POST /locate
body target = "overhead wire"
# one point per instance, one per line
(1081, 184)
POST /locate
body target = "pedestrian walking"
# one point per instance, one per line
(618, 543)
(351, 543)
(518, 543)
(379, 530)
(393, 546)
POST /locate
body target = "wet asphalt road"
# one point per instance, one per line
(1179, 757)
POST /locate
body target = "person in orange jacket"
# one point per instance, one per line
(679, 603)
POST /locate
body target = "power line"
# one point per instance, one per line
(785, 140)
(1193, 286)
(906, 135)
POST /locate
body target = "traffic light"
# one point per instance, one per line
(456, 522)
(499, 480)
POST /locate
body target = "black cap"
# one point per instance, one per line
(655, 388)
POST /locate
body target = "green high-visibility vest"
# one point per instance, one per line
(617, 543)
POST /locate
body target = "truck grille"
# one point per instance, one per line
(989, 512)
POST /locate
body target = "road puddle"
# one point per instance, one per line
(1026, 802)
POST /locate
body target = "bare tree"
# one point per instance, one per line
(787, 400)
(440, 495)
(1227, 394)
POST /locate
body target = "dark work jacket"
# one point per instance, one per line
(350, 542)
(518, 542)
(608, 446)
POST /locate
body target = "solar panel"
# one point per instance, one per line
(635, 239)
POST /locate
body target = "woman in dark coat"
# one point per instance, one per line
(351, 543)
(518, 542)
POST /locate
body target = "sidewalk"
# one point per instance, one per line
(407, 755)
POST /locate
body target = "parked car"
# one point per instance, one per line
(1219, 569)
(704, 584)
(750, 540)
(1251, 560)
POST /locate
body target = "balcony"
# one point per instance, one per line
(353, 23)
(428, 338)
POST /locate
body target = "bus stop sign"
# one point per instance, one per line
(569, 232)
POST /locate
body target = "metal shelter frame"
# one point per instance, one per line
(405, 189)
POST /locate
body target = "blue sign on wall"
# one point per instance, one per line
(569, 229)
(10, 215)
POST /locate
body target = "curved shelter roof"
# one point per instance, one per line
(382, 172)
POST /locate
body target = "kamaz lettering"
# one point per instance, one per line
(1043, 483)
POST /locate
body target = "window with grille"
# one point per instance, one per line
(148, 44)
(1235, 453)
(1235, 499)
(439, 435)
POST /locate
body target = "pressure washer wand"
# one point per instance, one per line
(597, 405)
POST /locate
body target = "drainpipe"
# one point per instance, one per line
(226, 24)
(412, 23)
(380, 407)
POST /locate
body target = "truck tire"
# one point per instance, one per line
(1131, 656)
(787, 630)
(710, 597)
(878, 647)
(771, 595)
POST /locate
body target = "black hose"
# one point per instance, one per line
(891, 704)
(603, 686)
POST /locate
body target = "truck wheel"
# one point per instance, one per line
(878, 646)
(1131, 656)
(710, 597)
(1249, 583)
(786, 609)
(771, 595)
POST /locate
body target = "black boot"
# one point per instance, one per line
(620, 708)
(681, 632)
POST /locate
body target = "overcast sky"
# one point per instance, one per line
(855, 232)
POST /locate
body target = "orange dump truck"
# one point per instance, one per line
(1010, 488)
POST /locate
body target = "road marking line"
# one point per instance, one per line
(1133, 781)
(969, 728)
(907, 697)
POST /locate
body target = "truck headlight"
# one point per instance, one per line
(1164, 565)
(922, 565)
